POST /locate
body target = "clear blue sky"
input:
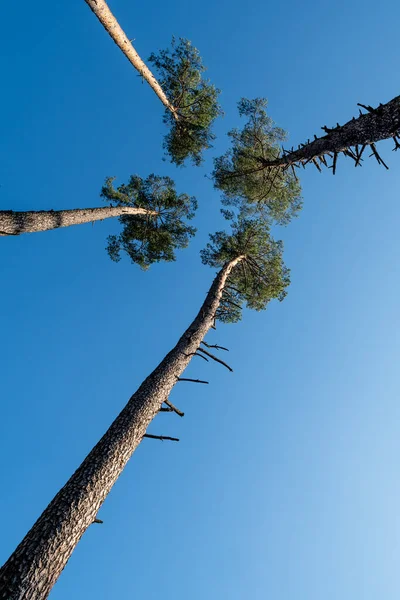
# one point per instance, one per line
(285, 484)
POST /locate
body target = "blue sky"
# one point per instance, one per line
(285, 483)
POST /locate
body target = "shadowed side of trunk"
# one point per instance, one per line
(113, 28)
(34, 567)
(15, 223)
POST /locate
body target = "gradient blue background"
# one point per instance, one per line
(285, 484)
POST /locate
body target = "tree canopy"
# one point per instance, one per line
(195, 99)
(151, 238)
(241, 173)
(261, 274)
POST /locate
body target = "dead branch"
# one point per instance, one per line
(196, 354)
(215, 346)
(174, 409)
(218, 360)
(161, 437)
(193, 380)
(378, 157)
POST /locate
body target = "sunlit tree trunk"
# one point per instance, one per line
(377, 124)
(14, 223)
(111, 25)
(34, 567)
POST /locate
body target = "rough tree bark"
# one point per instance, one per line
(34, 567)
(377, 124)
(14, 223)
(111, 25)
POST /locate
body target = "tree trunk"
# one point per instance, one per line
(111, 25)
(14, 223)
(377, 124)
(34, 567)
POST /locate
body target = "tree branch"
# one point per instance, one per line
(174, 409)
(193, 380)
(218, 360)
(161, 437)
(215, 346)
(195, 354)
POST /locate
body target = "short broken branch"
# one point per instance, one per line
(214, 346)
(218, 360)
(196, 354)
(98, 521)
(378, 157)
(193, 380)
(161, 437)
(174, 409)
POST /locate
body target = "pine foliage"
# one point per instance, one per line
(150, 238)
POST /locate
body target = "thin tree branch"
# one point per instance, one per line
(196, 354)
(218, 360)
(193, 380)
(174, 409)
(214, 346)
(161, 437)
(98, 521)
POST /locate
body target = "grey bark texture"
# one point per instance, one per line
(15, 223)
(34, 567)
(377, 124)
(113, 28)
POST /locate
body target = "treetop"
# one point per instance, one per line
(195, 99)
(257, 278)
(241, 173)
(153, 237)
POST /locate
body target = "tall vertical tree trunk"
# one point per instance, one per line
(377, 124)
(34, 567)
(111, 25)
(14, 223)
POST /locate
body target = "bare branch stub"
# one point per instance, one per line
(192, 380)
(197, 354)
(218, 360)
(160, 437)
(172, 407)
(99, 521)
(380, 161)
(216, 346)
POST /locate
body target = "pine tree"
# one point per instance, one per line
(241, 173)
(247, 166)
(153, 218)
(191, 102)
(195, 100)
(251, 271)
(154, 238)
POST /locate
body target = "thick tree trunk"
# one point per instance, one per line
(14, 223)
(111, 25)
(34, 567)
(377, 124)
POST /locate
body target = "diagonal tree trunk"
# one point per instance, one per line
(111, 25)
(32, 221)
(377, 124)
(34, 567)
